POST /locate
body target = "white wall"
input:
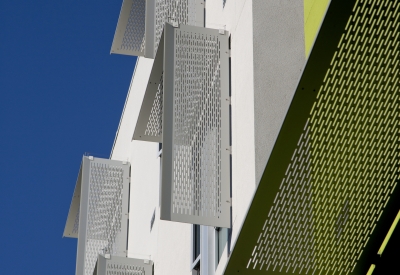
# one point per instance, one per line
(279, 59)
(167, 244)
(257, 76)
(237, 17)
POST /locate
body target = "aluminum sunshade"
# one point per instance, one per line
(196, 150)
(149, 124)
(98, 215)
(141, 23)
(130, 35)
(113, 265)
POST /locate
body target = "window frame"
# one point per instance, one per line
(195, 258)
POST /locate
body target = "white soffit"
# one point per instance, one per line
(149, 123)
(196, 149)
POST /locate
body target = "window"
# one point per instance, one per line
(159, 151)
(196, 250)
(221, 239)
(159, 154)
(152, 219)
(196, 241)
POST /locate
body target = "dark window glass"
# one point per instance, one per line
(196, 241)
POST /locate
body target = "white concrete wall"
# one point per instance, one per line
(237, 18)
(279, 59)
(167, 244)
(257, 76)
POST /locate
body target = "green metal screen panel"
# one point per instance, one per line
(328, 194)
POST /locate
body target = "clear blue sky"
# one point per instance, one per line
(62, 94)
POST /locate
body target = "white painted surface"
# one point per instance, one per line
(279, 59)
(121, 149)
(237, 16)
(168, 244)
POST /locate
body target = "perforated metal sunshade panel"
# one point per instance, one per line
(191, 12)
(123, 266)
(187, 12)
(141, 23)
(196, 153)
(72, 224)
(328, 195)
(129, 38)
(149, 123)
(103, 210)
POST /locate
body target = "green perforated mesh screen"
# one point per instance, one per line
(336, 162)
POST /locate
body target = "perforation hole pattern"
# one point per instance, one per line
(124, 269)
(290, 220)
(154, 124)
(104, 212)
(346, 164)
(134, 39)
(76, 224)
(173, 11)
(197, 125)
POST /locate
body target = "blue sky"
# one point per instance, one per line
(62, 94)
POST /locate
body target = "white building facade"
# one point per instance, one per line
(211, 125)
(267, 49)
